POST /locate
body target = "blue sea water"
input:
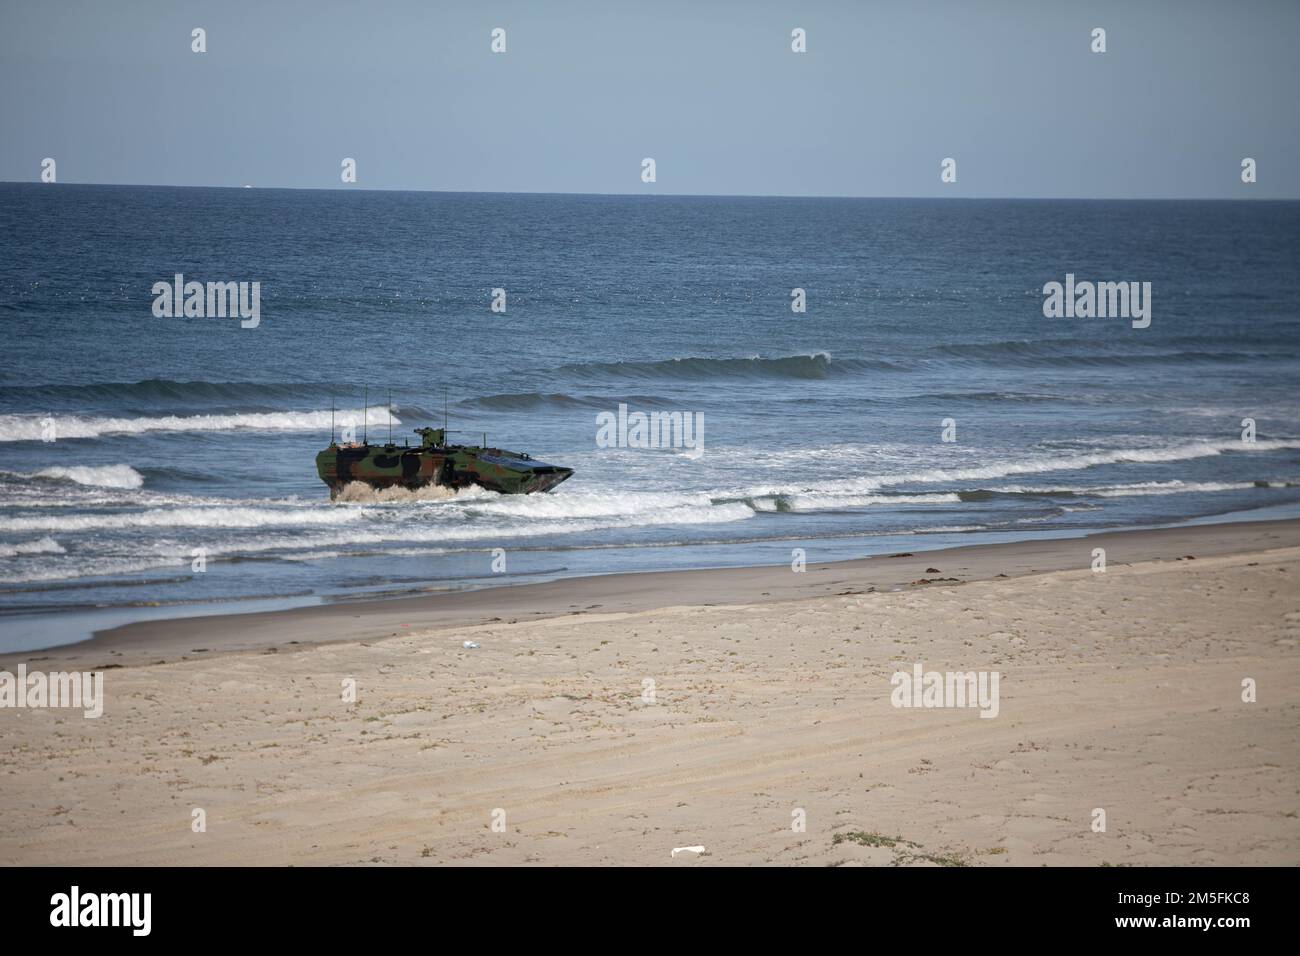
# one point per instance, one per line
(823, 430)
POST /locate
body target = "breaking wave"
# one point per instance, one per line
(183, 518)
(40, 546)
(101, 476)
(33, 427)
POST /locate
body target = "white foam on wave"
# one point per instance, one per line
(1132, 489)
(39, 546)
(826, 502)
(377, 533)
(92, 568)
(1170, 488)
(182, 518)
(303, 545)
(586, 505)
(1154, 455)
(1032, 466)
(34, 427)
(99, 476)
(304, 527)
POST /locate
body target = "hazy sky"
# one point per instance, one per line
(710, 89)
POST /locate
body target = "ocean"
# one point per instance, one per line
(180, 477)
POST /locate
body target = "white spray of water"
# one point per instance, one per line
(358, 492)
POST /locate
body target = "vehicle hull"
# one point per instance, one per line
(453, 466)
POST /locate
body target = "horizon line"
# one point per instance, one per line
(650, 194)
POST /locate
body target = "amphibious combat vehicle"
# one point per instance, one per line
(434, 462)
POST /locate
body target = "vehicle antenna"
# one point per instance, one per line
(390, 416)
(365, 419)
(444, 408)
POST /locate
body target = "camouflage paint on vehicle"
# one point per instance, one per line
(435, 462)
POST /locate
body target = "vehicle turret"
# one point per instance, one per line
(432, 437)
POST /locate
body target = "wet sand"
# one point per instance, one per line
(168, 639)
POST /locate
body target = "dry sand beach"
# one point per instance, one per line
(1119, 690)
